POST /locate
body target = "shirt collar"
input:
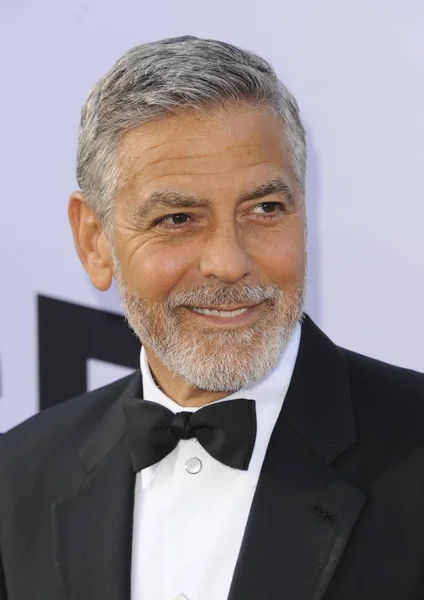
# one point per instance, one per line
(269, 394)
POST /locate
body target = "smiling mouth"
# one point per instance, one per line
(225, 313)
(219, 313)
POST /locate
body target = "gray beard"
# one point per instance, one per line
(215, 360)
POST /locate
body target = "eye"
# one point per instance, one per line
(173, 220)
(268, 208)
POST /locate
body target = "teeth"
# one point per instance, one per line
(219, 313)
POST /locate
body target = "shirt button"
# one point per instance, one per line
(193, 465)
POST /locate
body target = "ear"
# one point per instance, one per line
(90, 241)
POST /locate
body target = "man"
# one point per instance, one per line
(249, 457)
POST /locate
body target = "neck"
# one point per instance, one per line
(179, 390)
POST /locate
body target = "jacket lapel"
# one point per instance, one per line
(93, 527)
(303, 512)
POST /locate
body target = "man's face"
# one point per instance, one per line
(211, 219)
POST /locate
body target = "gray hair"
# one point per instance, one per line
(162, 77)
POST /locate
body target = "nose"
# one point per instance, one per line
(224, 256)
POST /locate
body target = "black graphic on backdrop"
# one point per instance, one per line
(68, 335)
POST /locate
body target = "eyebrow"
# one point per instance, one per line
(275, 186)
(177, 200)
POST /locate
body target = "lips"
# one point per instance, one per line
(219, 313)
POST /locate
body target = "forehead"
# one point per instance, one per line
(220, 147)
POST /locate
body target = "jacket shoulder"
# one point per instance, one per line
(65, 425)
(388, 400)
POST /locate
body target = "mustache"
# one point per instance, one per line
(236, 294)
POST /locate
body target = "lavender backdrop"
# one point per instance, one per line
(357, 69)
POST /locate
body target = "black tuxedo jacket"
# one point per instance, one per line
(338, 512)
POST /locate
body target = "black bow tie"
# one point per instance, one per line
(227, 430)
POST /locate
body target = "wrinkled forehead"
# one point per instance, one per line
(220, 145)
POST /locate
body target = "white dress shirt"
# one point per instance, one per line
(190, 510)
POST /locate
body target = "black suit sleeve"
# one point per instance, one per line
(3, 595)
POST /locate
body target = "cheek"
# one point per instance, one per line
(155, 270)
(283, 260)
